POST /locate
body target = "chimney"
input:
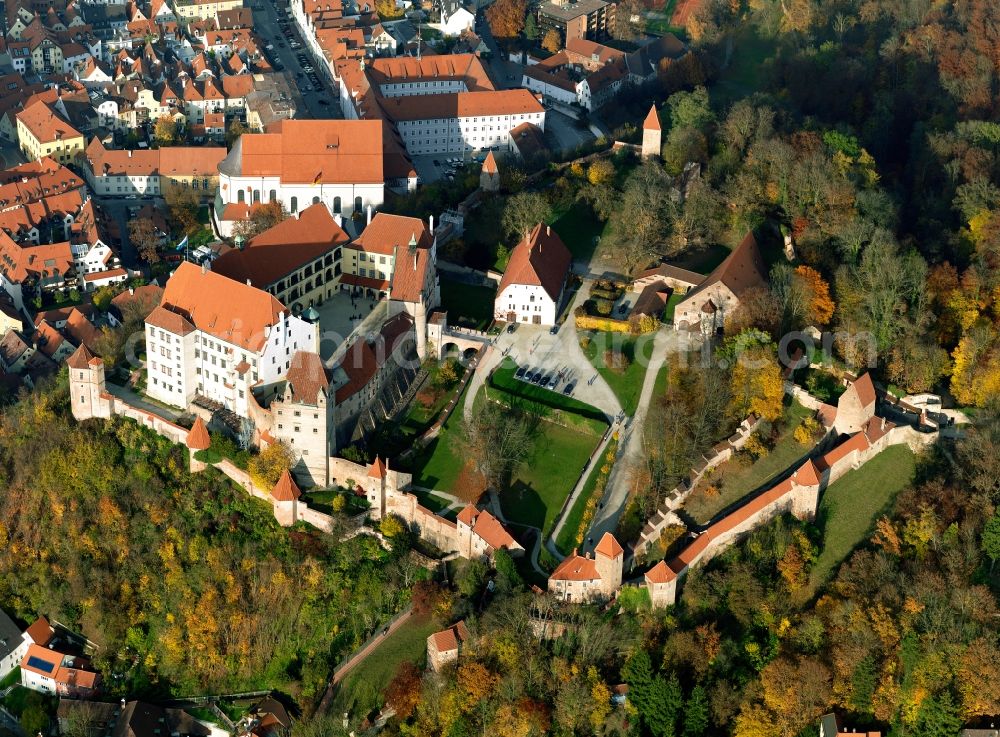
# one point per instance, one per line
(130, 153)
(248, 283)
(431, 226)
(369, 221)
(548, 230)
(131, 290)
(204, 267)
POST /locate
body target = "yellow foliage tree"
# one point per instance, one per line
(266, 468)
(757, 385)
(552, 41)
(601, 171)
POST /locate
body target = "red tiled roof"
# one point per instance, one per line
(386, 232)
(660, 573)
(307, 151)
(109, 274)
(45, 125)
(40, 631)
(449, 639)
(307, 377)
(608, 546)
(198, 437)
(576, 568)
(410, 274)
(461, 105)
(541, 260)
(865, 389)
(81, 358)
(490, 164)
(277, 252)
(364, 281)
(378, 469)
(742, 269)
(229, 310)
(362, 360)
(487, 527)
(286, 490)
(652, 121)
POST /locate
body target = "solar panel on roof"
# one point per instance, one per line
(42, 665)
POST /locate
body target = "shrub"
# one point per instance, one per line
(266, 468)
(603, 324)
(617, 361)
(755, 447)
(603, 307)
(338, 503)
(585, 342)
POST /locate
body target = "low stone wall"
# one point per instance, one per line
(804, 398)
(163, 427)
(678, 495)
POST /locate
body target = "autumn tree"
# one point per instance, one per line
(102, 297)
(506, 18)
(235, 130)
(143, 236)
(819, 304)
(183, 205)
(165, 132)
(600, 172)
(262, 218)
(266, 467)
(403, 691)
(552, 41)
(387, 9)
(644, 219)
(524, 211)
(756, 384)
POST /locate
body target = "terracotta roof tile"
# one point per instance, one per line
(652, 121)
(198, 437)
(378, 469)
(660, 573)
(229, 310)
(490, 164)
(45, 124)
(307, 377)
(742, 269)
(576, 568)
(487, 527)
(286, 490)
(461, 105)
(81, 358)
(541, 260)
(281, 250)
(386, 232)
(609, 547)
(40, 632)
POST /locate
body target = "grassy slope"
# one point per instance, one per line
(361, 690)
(578, 227)
(567, 535)
(848, 508)
(737, 481)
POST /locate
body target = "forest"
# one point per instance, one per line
(186, 584)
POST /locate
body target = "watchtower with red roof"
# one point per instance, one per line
(489, 178)
(652, 135)
(89, 395)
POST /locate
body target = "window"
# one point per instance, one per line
(295, 204)
(240, 197)
(336, 205)
(272, 195)
(358, 204)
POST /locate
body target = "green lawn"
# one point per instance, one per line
(742, 76)
(566, 540)
(546, 478)
(362, 690)
(467, 305)
(735, 481)
(13, 677)
(850, 505)
(438, 465)
(580, 230)
(672, 302)
(627, 384)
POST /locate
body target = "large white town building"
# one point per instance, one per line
(347, 165)
(533, 282)
(213, 337)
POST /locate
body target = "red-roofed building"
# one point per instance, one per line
(55, 673)
(856, 406)
(206, 326)
(533, 282)
(444, 647)
(706, 307)
(652, 135)
(42, 132)
(480, 534)
(583, 579)
(661, 583)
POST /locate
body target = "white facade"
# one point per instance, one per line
(551, 92)
(118, 185)
(13, 659)
(459, 21)
(181, 366)
(528, 303)
(477, 133)
(341, 198)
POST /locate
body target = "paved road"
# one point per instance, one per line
(631, 450)
(308, 104)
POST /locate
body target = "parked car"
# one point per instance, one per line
(519, 374)
(553, 330)
(538, 378)
(568, 389)
(511, 327)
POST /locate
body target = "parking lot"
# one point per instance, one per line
(317, 97)
(432, 167)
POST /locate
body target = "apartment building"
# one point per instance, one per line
(42, 132)
(589, 19)
(214, 337)
(191, 9)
